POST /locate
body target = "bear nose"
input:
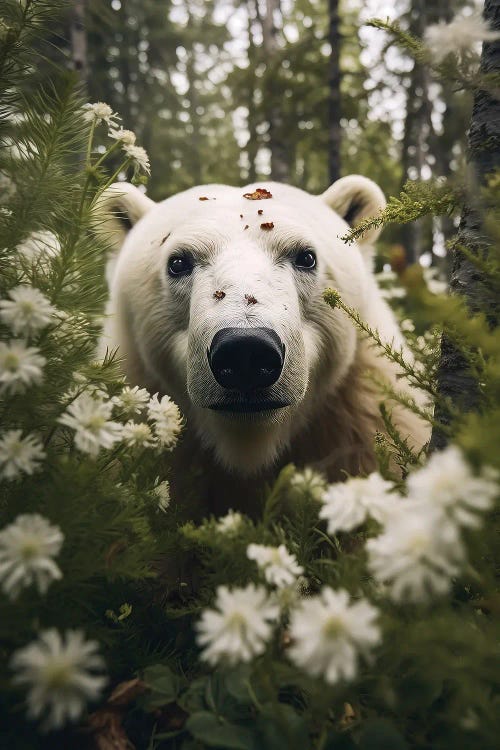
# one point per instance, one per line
(246, 359)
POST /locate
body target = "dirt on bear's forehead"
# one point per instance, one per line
(259, 194)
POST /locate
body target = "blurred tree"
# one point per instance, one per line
(79, 40)
(334, 99)
(457, 379)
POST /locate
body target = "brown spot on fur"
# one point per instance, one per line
(260, 212)
(165, 238)
(259, 194)
(250, 299)
(204, 198)
(267, 225)
(241, 216)
(246, 226)
(219, 295)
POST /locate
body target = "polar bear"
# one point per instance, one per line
(216, 299)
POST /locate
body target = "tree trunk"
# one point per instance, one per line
(416, 128)
(279, 156)
(455, 379)
(252, 146)
(78, 35)
(334, 97)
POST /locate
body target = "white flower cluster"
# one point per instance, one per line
(162, 493)
(27, 549)
(101, 112)
(21, 367)
(61, 673)
(167, 420)
(329, 633)
(239, 627)
(230, 523)
(348, 505)
(19, 455)
(279, 566)
(90, 416)
(417, 553)
(420, 548)
(26, 312)
(459, 36)
(309, 482)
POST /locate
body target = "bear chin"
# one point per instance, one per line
(245, 444)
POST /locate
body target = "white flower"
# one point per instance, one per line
(329, 634)
(132, 400)
(239, 627)
(39, 245)
(89, 417)
(60, 673)
(387, 276)
(162, 492)
(290, 596)
(27, 549)
(27, 311)
(458, 36)
(124, 136)
(309, 482)
(393, 292)
(138, 435)
(19, 455)
(407, 325)
(447, 482)
(20, 367)
(99, 112)
(167, 420)
(279, 566)
(139, 156)
(418, 553)
(347, 504)
(230, 523)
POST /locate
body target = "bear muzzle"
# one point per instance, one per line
(247, 361)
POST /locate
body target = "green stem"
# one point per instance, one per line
(333, 299)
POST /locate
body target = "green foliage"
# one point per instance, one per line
(417, 199)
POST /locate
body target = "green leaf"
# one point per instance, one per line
(207, 728)
(379, 734)
(193, 699)
(237, 682)
(282, 728)
(165, 686)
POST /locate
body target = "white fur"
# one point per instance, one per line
(163, 327)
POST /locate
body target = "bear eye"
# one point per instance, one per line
(305, 259)
(179, 265)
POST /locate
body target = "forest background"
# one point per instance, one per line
(300, 92)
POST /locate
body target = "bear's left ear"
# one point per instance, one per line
(355, 198)
(120, 207)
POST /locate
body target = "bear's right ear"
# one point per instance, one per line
(355, 198)
(120, 207)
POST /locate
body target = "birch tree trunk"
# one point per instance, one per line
(279, 157)
(334, 96)
(78, 35)
(455, 379)
(416, 128)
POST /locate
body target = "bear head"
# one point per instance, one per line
(216, 298)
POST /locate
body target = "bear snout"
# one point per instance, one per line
(246, 359)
